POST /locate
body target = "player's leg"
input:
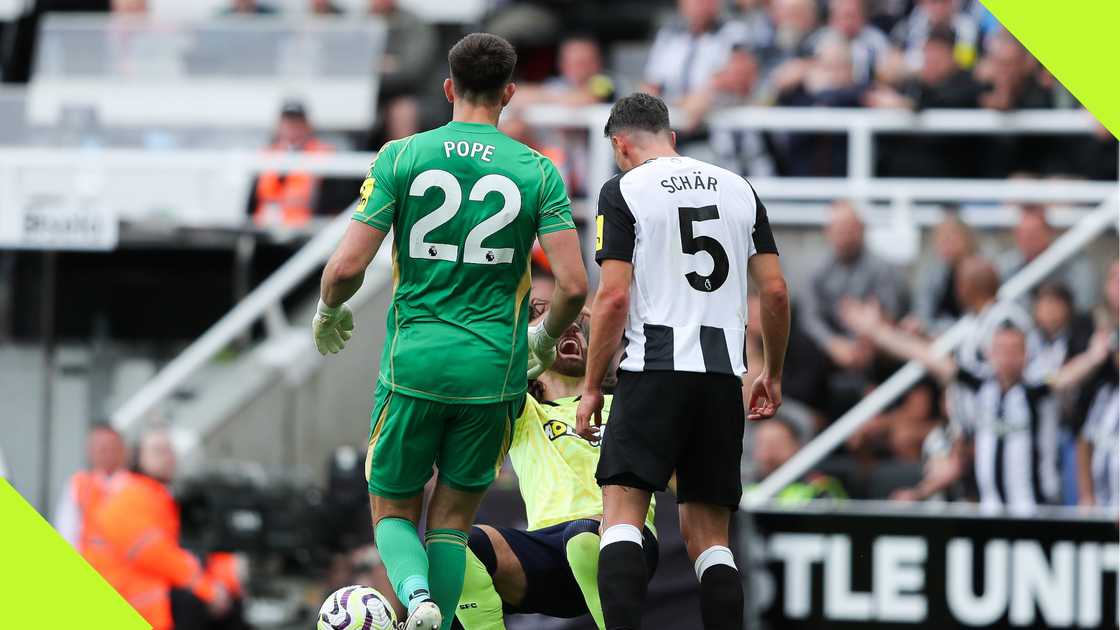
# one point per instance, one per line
(623, 571)
(638, 454)
(494, 575)
(709, 488)
(450, 513)
(402, 447)
(474, 445)
(581, 547)
(505, 565)
(705, 529)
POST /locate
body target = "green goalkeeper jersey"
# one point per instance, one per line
(465, 203)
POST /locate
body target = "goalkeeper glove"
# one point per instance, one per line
(542, 350)
(332, 327)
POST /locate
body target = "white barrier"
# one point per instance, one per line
(182, 188)
(221, 71)
(208, 188)
(861, 125)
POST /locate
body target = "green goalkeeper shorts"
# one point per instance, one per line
(408, 435)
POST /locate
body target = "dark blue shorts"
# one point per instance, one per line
(551, 589)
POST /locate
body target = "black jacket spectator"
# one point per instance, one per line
(826, 80)
(926, 155)
(939, 83)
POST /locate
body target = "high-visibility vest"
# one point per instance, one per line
(288, 196)
(134, 545)
(88, 487)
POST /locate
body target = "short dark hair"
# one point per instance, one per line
(638, 112)
(481, 67)
(943, 35)
(1056, 290)
(1008, 326)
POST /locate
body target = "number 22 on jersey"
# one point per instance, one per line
(473, 251)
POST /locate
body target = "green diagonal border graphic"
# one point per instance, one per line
(45, 583)
(1079, 43)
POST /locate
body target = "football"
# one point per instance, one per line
(357, 608)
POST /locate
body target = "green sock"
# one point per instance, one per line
(447, 564)
(404, 559)
(480, 606)
(583, 558)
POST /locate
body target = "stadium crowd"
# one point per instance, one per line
(857, 317)
(852, 311)
(702, 55)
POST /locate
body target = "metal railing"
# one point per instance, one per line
(262, 303)
(861, 126)
(210, 186)
(902, 194)
(1066, 246)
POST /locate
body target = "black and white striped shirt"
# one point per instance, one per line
(689, 228)
(1015, 438)
(681, 62)
(972, 354)
(1102, 431)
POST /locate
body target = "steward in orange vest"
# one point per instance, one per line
(105, 451)
(289, 198)
(134, 540)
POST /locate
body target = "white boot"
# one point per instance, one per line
(426, 616)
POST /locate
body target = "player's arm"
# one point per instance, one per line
(766, 392)
(614, 251)
(333, 324)
(557, 234)
(346, 268)
(562, 249)
(766, 274)
(608, 320)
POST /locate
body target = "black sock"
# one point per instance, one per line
(721, 598)
(623, 578)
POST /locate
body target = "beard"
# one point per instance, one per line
(569, 366)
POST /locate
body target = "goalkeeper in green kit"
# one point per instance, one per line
(465, 203)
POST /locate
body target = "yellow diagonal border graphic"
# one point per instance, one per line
(45, 583)
(1079, 43)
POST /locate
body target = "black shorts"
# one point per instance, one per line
(551, 589)
(688, 422)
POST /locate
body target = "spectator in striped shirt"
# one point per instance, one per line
(1011, 433)
(847, 19)
(689, 51)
